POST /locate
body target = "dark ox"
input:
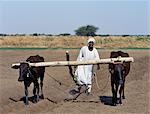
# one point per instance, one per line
(31, 75)
(118, 74)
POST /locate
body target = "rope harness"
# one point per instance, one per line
(98, 87)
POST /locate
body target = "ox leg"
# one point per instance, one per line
(38, 89)
(42, 95)
(36, 92)
(123, 95)
(120, 93)
(41, 85)
(26, 95)
(113, 93)
(116, 93)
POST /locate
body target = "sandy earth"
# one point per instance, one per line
(11, 91)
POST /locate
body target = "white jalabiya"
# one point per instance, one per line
(84, 72)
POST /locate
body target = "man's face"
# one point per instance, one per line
(91, 44)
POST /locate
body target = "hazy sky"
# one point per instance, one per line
(64, 16)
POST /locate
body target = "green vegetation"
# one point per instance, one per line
(88, 30)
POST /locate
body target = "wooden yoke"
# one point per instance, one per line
(76, 63)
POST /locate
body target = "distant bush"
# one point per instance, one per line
(105, 35)
(64, 34)
(88, 30)
(125, 35)
(148, 35)
(3, 34)
(35, 34)
(40, 34)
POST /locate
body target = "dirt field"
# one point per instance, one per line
(11, 91)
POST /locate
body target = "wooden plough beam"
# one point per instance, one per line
(76, 63)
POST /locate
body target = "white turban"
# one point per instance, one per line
(91, 40)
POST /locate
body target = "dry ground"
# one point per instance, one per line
(11, 91)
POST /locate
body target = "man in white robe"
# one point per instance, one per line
(84, 73)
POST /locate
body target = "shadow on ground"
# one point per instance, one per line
(106, 100)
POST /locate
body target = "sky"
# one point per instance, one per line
(115, 17)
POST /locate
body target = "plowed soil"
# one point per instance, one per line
(58, 83)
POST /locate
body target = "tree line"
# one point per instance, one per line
(88, 30)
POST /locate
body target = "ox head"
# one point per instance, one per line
(23, 71)
(119, 70)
